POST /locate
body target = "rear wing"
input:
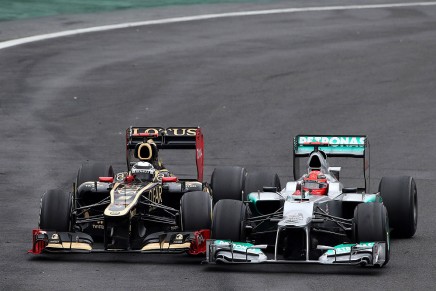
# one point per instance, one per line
(350, 146)
(168, 138)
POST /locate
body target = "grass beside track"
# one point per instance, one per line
(21, 9)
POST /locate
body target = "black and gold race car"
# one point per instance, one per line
(144, 209)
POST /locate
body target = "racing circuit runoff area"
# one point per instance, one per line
(252, 83)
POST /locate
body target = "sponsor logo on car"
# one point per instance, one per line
(168, 131)
(178, 239)
(239, 246)
(332, 140)
(346, 248)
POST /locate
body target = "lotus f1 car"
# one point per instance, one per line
(144, 209)
(314, 219)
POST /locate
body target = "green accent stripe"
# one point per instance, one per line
(346, 248)
(372, 198)
(21, 9)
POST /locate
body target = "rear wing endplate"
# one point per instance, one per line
(352, 146)
(168, 138)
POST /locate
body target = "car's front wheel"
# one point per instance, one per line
(196, 211)
(229, 220)
(55, 213)
(371, 224)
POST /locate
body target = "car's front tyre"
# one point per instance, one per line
(196, 211)
(229, 220)
(55, 214)
(371, 224)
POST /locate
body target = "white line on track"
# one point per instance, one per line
(20, 41)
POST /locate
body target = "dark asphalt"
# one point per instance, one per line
(251, 83)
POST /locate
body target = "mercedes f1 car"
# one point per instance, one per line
(143, 209)
(314, 219)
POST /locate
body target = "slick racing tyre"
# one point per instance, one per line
(229, 220)
(91, 171)
(228, 183)
(255, 181)
(400, 197)
(55, 213)
(371, 224)
(196, 211)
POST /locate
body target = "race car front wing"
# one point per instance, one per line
(193, 243)
(365, 254)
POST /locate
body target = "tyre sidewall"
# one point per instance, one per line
(371, 224)
(400, 198)
(228, 221)
(228, 183)
(196, 211)
(91, 171)
(55, 212)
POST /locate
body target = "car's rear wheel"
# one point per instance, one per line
(55, 213)
(400, 197)
(196, 211)
(229, 220)
(371, 224)
(228, 183)
(256, 180)
(91, 171)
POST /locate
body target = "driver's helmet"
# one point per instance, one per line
(315, 183)
(143, 171)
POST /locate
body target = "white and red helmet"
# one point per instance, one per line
(315, 183)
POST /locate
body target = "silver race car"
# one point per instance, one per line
(314, 219)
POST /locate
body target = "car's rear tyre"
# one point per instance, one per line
(371, 224)
(228, 221)
(91, 171)
(228, 183)
(255, 181)
(196, 211)
(400, 197)
(55, 213)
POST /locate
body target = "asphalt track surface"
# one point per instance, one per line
(251, 83)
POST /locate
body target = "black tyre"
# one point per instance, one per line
(229, 220)
(55, 212)
(401, 200)
(91, 171)
(255, 181)
(228, 183)
(371, 224)
(196, 211)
